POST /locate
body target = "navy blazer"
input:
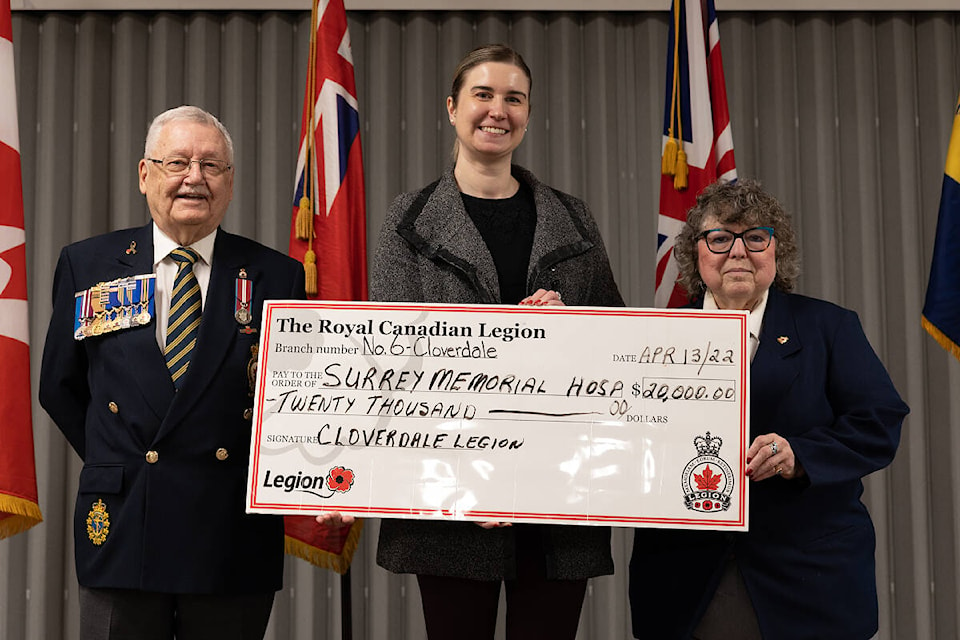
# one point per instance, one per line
(166, 469)
(808, 558)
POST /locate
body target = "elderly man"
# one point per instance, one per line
(148, 369)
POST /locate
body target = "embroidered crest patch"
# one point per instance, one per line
(707, 479)
(98, 523)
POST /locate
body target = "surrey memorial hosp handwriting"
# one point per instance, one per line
(634, 417)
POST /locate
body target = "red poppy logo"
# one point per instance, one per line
(340, 479)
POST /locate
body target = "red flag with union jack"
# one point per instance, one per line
(328, 229)
(329, 212)
(19, 508)
(697, 140)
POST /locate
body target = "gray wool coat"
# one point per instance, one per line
(430, 251)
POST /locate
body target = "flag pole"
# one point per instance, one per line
(346, 608)
(328, 234)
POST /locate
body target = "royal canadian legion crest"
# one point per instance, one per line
(707, 479)
(98, 523)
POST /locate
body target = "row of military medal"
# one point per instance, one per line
(129, 302)
(110, 306)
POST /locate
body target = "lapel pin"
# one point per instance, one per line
(132, 249)
(783, 339)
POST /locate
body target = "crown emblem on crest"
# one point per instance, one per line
(707, 480)
(98, 523)
(708, 445)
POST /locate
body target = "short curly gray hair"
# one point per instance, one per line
(743, 202)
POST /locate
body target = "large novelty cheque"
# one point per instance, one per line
(583, 415)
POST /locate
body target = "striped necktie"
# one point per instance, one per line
(183, 323)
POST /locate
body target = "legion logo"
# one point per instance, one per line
(707, 479)
(338, 480)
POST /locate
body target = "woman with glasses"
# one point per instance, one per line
(823, 415)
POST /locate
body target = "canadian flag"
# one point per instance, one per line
(18, 479)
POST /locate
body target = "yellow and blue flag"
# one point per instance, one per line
(941, 310)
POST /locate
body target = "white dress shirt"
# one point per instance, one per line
(754, 319)
(166, 269)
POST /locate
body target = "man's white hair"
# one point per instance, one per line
(186, 113)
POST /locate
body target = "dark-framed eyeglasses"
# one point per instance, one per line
(756, 239)
(180, 166)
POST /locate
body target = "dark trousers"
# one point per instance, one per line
(126, 614)
(537, 608)
(730, 613)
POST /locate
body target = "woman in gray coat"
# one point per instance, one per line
(489, 232)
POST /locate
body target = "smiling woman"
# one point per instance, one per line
(489, 232)
(490, 111)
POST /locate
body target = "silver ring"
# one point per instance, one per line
(559, 297)
(773, 447)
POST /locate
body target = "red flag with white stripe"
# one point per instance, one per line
(328, 229)
(696, 127)
(19, 509)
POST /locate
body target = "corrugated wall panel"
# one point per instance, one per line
(845, 116)
(937, 55)
(900, 265)
(816, 82)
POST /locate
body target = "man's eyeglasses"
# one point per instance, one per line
(756, 239)
(178, 166)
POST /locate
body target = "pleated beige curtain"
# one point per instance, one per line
(845, 116)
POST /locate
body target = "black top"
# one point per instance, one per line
(507, 227)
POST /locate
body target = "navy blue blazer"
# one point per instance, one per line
(164, 472)
(808, 558)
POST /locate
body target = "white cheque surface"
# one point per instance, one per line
(629, 417)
